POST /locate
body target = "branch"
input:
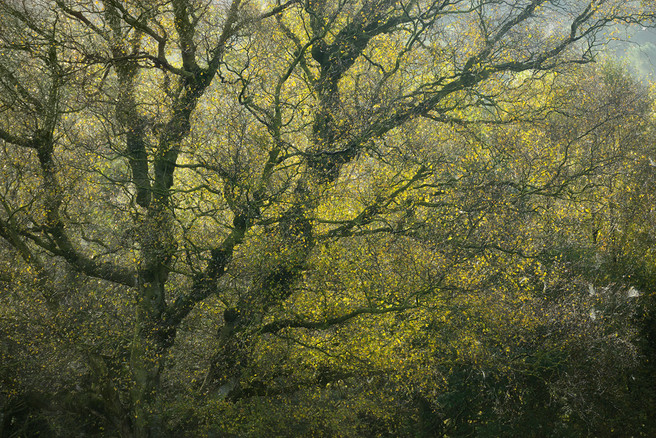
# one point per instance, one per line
(104, 271)
(205, 283)
(161, 40)
(368, 214)
(185, 29)
(62, 247)
(18, 141)
(276, 326)
(80, 16)
(8, 233)
(16, 84)
(277, 9)
(229, 29)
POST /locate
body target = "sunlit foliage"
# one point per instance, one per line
(323, 218)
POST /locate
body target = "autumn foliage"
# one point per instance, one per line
(358, 218)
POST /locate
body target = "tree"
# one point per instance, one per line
(247, 151)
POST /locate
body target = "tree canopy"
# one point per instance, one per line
(339, 218)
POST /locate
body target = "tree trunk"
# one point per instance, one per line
(146, 360)
(153, 336)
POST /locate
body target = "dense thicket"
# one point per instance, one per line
(324, 218)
